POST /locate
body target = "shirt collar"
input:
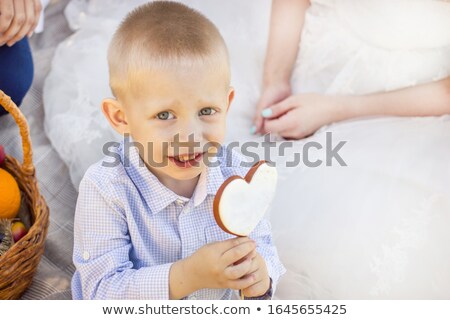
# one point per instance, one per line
(209, 182)
(157, 195)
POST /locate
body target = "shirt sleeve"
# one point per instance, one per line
(262, 234)
(101, 253)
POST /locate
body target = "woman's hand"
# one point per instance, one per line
(299, 116)
(271, 94)
(286, 24)
(18, 18)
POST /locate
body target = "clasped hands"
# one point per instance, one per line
(18, 18)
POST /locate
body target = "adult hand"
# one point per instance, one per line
(301, 115)
(270, 95)
(18, 18)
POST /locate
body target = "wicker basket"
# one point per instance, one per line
(19, 263)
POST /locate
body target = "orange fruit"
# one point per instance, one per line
(9, 195)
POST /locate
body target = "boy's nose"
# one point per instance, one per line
(189, 132)
(187, 142)
(187, 137)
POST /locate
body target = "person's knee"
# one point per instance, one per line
(16, 76)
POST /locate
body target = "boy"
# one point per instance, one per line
(144, 228)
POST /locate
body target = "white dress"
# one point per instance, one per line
(374, 229)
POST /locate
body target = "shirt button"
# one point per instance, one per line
(179, 202)
(86, 256)
(193, 297)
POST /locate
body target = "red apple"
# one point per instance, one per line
(18, 230)
(2, 155)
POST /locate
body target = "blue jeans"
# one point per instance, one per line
(16, 71)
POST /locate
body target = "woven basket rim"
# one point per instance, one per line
(20, 261)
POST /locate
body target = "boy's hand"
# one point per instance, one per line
(260, 276)
(224, 264)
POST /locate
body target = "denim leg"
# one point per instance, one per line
(16, 71)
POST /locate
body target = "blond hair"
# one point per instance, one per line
(163, 34)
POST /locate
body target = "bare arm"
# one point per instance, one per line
(286, 23)
(431, 99)
(301, 115)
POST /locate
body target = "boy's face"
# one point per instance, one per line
(177, 114)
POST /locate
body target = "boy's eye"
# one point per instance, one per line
(165, 115)
(207, 111)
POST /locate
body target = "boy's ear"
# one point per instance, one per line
(114, 112)
(230, 97)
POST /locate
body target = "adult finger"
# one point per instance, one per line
(6, 16)
(277, 125)
(37, 13)
(279, 108)
(17, 22)
(28, 23)
(258, 121)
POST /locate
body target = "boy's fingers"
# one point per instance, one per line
(241, 283)
(232, 242)
(236, 252)
(254, 269)
(255, 263)
(251, 255)
(255, 290)
(239, 270)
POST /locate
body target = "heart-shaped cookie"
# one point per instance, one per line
(241, 203)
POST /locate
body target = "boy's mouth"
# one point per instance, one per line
(187, 160)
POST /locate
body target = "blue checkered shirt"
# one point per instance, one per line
(130, 228)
